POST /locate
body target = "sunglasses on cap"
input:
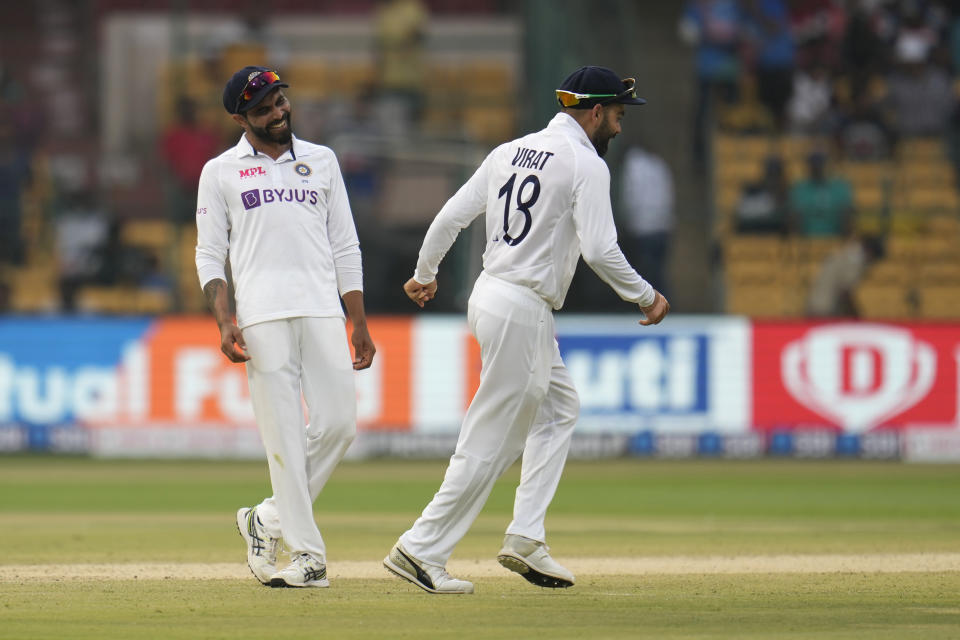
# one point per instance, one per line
(257, 82)
(571, 98)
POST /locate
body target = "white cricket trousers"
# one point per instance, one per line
(287, 357)
(526, 402)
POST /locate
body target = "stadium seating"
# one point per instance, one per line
(911, 200)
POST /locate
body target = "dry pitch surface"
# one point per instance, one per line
(857, 563)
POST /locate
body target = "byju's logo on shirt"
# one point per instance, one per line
(255, 197)
(251, 199)
(252, 172)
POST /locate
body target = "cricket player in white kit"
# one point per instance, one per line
(278, 206)
(546, 197)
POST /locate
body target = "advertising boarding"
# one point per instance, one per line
(694, 385)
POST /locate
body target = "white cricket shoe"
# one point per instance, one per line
(303, 571)
(530, 559)
(430, 578)
(261, 548)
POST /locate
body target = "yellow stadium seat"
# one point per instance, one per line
(153, 301)
(768, 300)
(926, 173)
(943, 225)
(817, 249)
(939, 302)
(939, 272)
(942, 198)
(753, 247)
(750, 149)
(154, 234)
(489, 123)
(865, 197)
(797, 148)
(738, 271)
(907, 222)
(906, 248)
(736, 172)
(728, 195)
(882, 301)
(921, 149)
(889, 272)
(867, 174)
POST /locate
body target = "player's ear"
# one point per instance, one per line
(597, 111)
(239, 119)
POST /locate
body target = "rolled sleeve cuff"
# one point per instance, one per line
(349, 273)
(207, 273)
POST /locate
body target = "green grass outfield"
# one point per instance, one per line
(685, 549)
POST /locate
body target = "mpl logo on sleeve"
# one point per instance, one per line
(855, 376)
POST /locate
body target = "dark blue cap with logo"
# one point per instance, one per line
(248, 86)
(589, 86)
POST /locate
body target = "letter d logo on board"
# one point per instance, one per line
(858, 374)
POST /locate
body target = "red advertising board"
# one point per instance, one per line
(855, 376)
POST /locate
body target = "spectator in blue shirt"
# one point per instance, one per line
(715, 28)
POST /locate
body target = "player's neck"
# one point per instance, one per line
(272, 149)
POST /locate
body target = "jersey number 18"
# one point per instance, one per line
(523, 206)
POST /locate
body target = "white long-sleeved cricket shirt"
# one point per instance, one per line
(547, 201)
(287, 226)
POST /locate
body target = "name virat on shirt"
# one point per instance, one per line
(531, 158)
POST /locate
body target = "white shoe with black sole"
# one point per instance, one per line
(430, 578)
(530, 559)
(303, 571)
(261, 548)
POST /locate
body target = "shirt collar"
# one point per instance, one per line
(566, 123)
(245, 149)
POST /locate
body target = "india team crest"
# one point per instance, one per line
(302, 169)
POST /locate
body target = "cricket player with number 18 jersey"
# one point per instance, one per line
(278, 206)
(546, 200)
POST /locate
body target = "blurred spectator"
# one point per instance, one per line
(647, 198)
(5, 297)
(764, 204)
(919, 94)
(818, 28)
(185, 147)
(774, 51)
(401, 33)
(14, 178)
(832, 292)
(812, 99)
(154, 277)
(863, 132)
(864, 53)
(80, 231)
(714, 27)
(821, 205)
(119, 264)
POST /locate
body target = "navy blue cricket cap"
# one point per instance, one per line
(589, 86)
(247, 88)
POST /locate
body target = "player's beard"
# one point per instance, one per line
(601, 138)
(271, 137)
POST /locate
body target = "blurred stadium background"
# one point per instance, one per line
(813, 317)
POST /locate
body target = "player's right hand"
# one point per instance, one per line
(230, 339)
(656, 311)
(420, 293)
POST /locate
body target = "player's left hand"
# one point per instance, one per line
(363, 348)
(656, 311)
(420, 293)
(230, 338)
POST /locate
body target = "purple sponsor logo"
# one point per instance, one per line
(251, 199)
